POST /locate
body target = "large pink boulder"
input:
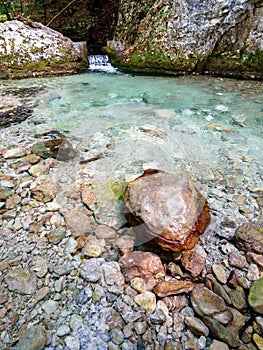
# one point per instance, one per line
(167, 208)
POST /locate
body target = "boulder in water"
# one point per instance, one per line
(166, 208)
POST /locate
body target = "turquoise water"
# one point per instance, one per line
(207, 127)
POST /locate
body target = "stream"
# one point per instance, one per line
(121, 125)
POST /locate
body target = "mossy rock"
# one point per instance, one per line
(255, 297)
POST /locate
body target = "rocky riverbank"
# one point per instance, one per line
(72, 275)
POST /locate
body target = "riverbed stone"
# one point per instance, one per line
(164, 223)
(91, 270)
(220, 332)
(93, 247)
(193, 261)
(56, 235)
(249, 237)
(172, 287)
(79, 223)
(72, 343)
(196, 326)
(142, 264)
(50, 306)
(44, 191)
(218, 345)
(15, 153)
(147, 301)
(33, 339)
(258, 341)
(205, 302)
(22, 281)
(255, 297)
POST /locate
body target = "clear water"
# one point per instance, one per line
(208, 127)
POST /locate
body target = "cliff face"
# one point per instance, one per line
(30, 49)
(218, 36)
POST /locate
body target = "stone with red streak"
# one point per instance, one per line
(167, 208)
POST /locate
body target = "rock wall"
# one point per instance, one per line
(223, 37)
(31, 49)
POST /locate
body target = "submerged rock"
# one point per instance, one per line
(167, 208)
(58, 148)
(31, 49)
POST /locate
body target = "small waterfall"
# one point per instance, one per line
(101, 63)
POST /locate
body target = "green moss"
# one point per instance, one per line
(252, 59)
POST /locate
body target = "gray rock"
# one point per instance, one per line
(33, 339)
(75, 322)
(91, 271)
(63, 330)
(22, 281)
(50, 306)
(72, 343)
(105, 232)
(71, 245)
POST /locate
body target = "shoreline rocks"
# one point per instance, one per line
(66, 284)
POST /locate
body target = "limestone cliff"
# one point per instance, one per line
(223, 37)
(31, 49)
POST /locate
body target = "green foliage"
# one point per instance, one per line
(9, 9)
